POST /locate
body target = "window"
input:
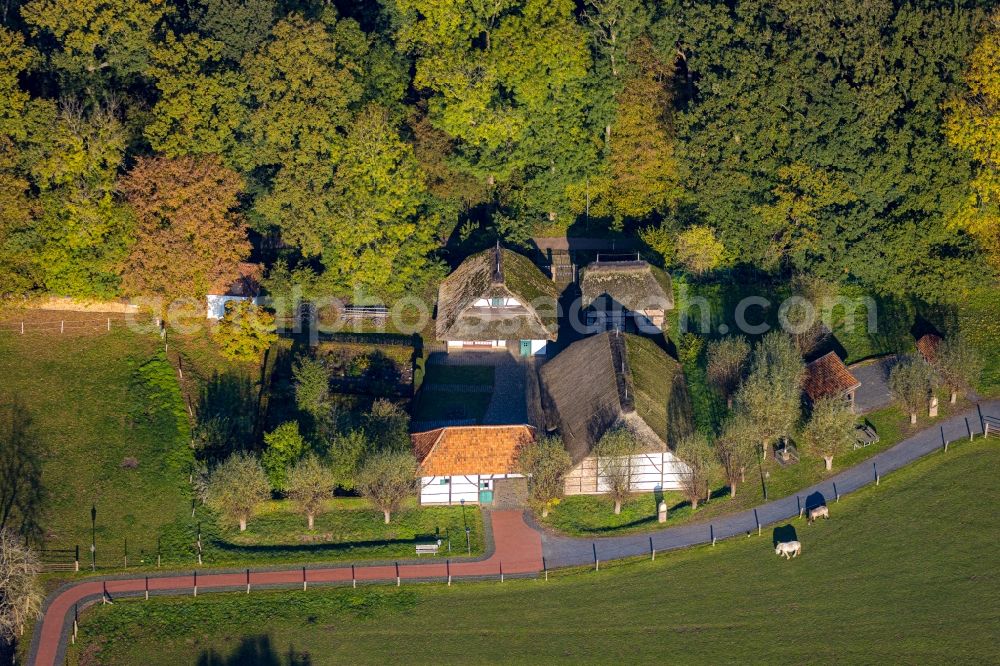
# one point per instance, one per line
(443, 481)
(496, 302)
(484, 485)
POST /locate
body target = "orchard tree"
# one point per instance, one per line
(347, 452)
(245, 332)
(546, 463)
(614, 463)
(912, 382)
(698, 250)
(387, 427)
(310, 485)
(959, 364)
(736, 449)
(696, 453)
(283, 446)
(236, 487)
(388, 478)
(188, 237)
(726, 364)
(21, 593)
(830, 430)
(770, 397)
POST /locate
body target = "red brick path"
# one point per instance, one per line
(518, 550)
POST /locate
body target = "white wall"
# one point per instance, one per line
(650, 471)
(217, 304)
(538, 347)
(459, 344)
(457, 488)
(487, 303)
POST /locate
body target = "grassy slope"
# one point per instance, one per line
(901, 573)
(95, 403)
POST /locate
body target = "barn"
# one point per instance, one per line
(617, 378)
(497, 299)
(626, 295)
(466, 463)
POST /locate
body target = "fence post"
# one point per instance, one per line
(147, 588)
(798, 503)
(968, 428)
(652, 551)
(22, 328)
(447, 566)
(76, 620)
(196, 582)
(756, 520)
(545, 568)
(875, 467)
(397, 574)
(354, 580)
(836, 493)
(76, 561)
(501, 570)
(248, 581)
(943, 440)
(304, 583)
(109, 323)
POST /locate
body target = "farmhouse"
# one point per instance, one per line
(612, 378)
(828, 377)
(619, 293)
(466, 462)
(494, 298)
(246, 287)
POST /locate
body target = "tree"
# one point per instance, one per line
(912, 381)
(282, 447)
(830, 430)
(958, 364)
(971, 125)
(310, 484)
(312, 387)
(388, 478)
(614, 463)
(245, 332)
(347, 452)
(188, 239)
(545, 463)
(387, 427)
(21, 592)
(239, 25)
(22, 453)
(735, 449)
(696, 453)
(698, 250)
(237, 486)
(771, 395)
(727, 361)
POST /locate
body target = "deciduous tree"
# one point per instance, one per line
(736, 449)
(188, 237)
(545, 463)
(310, 485)
(387, 479)
(21, 592)
(696, 453)
(912, 381)
(614, 463)
(726, 364)
(283, 446)
(237, 486)
(958, 364)
(830, 430)
(698, 250)
(245, 332)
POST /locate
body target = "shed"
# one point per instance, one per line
(246, 287)
(617, 378)
(827, 377)
(928, 345)
(494, 297)
(617, 292)
(465, 462)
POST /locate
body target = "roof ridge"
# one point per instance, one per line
(623, 372)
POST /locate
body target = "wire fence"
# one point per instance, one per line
(92, 325)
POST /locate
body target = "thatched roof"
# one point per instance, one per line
(636, 285)
(613, 378)
(497, 273)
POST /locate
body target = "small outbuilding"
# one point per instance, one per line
(927, 346)
(246, 287)
(494, 298)
(464, 463)
(614, 379)
(828, 377)
(618, 293)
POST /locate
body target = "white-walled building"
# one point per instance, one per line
(466, 462)
(246, 287)
(495, 299)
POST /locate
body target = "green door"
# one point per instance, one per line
(485, 493)
(525, 347)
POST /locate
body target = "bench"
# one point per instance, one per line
(864, 435)
(428, 548)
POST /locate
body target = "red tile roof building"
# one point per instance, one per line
(827, 377)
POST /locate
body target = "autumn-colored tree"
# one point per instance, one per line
(188, 237)
(388, 478)
(698, 250)
(21, 592)
(245, 332)
(971, 123)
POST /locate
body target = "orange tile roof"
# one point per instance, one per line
(828, 376)
(470, 449)
(927, 345)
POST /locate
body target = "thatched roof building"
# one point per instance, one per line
(635, 285)
(497, 295)
(605, 379)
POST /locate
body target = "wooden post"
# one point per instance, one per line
(109, 323)
(147, 588)
(545, 568)
(968, 428)
(397, 574)
(874, 467)
(304, 583)
(501, 570)
(836, 493)
(76, 561)
(248, 581)
(354, 580)
(22, 328)
(196, 583)
(798, 503)
(447, 566)
(652, 551)
(62, 325)
(756, 520)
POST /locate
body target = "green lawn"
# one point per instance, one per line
(459, 374)
(97, 400)
(902, 573)
(593, 515)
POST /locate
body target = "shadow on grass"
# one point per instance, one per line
(255, 651)
(320, 548)
(783, 534)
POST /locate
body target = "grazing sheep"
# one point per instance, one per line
(784, 548)
(819, 512)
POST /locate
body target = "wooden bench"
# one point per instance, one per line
(428, 548)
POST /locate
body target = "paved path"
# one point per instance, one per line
(563, 551)
(508, 405)
(874, 390)
(517, 550)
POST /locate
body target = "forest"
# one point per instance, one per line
(149, 146)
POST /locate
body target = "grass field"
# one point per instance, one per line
(593, 515)
(97, 400)
(902, 573)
